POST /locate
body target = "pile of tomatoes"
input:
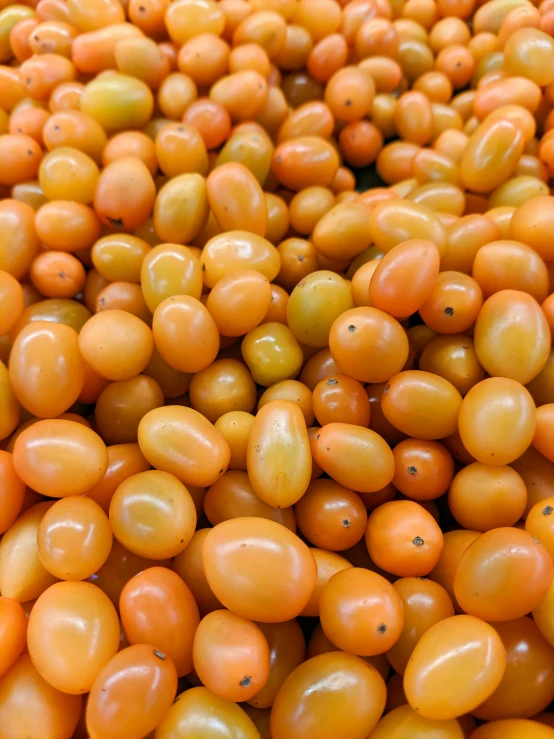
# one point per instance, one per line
(276, 451)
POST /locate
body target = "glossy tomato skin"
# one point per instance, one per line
(483, 497)
(278, 458)
(324, 689)
(527, 686)
(12, 491)
(190, 567)
(231, 655)
(512, 338)
(405, 719)
(23, 577)
(497, 420)
(315, 303)
(456, 665)
(157, 608)
(31, 707)
(421, 405)
(336, 445)
(181, 441)
(330, 516)
(403, 538)
(56, 628)
(192, 715)
(46, 350)
(13, 634)
(328, 564)
(74, 538)
(249, 578)
(59, 458)
(153, 515)
(361, 612)
(404, 277)
(368, 345)
(496, 558)
(141, 672)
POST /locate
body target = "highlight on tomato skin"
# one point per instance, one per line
(276, 369)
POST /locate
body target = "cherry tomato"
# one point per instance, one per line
(73, 632)
(249, 577)
(455, 652)
(48, 712)
(497, 420)
(335, 447)
(157, 608)
(323, 690)
(503, 555)
(132, 693)
(74, 538)
(144, 526)
(193, 714)
(278, 454)
(403, 538)
(361, 612)
(181, 441)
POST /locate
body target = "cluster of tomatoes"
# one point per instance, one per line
(276, 455)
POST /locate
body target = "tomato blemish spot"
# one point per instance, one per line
(159, 655)
(382, 628)
(412, 470)
(245, 682)
(449, 311)
(547, 510)
(418, 541)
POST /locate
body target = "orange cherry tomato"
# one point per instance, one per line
(181, 441)
(23, 577)
(361, 612)
(270, 584)
(442, 662)
(323, 690)
(484, 497)
(142, 525)
(74, 538)
(73, 632)
(424, 470)
(497, 420)
(336, 445)
(132, 693)
(157, 608)
(193, 713)
(278, 455)
(49, 711)
(503, 555)
(231, 673)
(60, 458)
(404, 278)
(403, 538)
(43, 353)
(421, 404)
